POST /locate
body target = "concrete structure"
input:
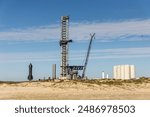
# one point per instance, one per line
(54, 71)
(124, 72)
(74, 74)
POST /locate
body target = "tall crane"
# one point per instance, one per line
(88, 53)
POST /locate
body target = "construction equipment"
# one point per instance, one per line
(88, 53)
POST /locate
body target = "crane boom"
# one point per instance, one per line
(88, 53)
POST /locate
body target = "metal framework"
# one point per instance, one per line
(75, 67)
(88, 53)
(64, 45)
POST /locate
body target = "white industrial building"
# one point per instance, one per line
(124, 72)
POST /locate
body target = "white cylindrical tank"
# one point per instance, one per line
(54, 71)
(132, 71)
(122, 72)
(118, 72)
(115, 72)
(103, 74)
(127, 72)
(107, 76)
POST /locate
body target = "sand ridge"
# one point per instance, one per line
(74, 89)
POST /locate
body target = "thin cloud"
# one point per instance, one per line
(134, 30)
(29, 56)
(80, 55)
(122, 31)
(42, 33)
(112, 53)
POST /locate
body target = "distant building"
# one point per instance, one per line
(124, 72)
(107, 76)
(103, 74)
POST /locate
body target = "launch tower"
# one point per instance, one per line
(64, 46)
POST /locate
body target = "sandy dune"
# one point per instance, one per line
(96, 89)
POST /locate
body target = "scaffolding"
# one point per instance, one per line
(64, 45)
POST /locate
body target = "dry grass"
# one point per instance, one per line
(77, 89)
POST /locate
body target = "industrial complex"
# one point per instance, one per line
(71, 72)
(68, 71)
(124, 72)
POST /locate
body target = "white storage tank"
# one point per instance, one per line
(103, 74)
(118, 72)
(115, 71)
(107, 76)
(124, 72)
(132, 69)
(127, 71)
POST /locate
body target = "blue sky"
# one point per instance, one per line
(30, 32)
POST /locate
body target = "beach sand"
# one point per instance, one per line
(75, 90)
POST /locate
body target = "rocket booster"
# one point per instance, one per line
(30, 77)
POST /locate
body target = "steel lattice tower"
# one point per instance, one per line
(64, 44)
